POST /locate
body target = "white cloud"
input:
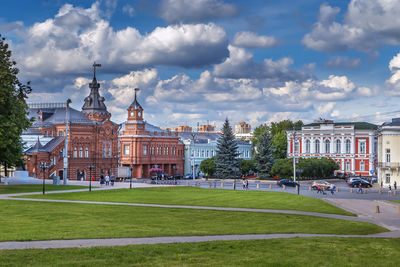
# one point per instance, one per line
(252, 40)
(367, 24)
(128, 9)
(195, 11)
(75, 37)
(240, 64)
(393, 83)
(341, 62)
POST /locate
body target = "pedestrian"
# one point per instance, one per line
(107, 180)
(319, 189)
(395, 185)
(244, 184)
(247, 184)
(390, 188)
(101, 180)
(360, 188)
(112, 178)
(381, 184)
(332, 187)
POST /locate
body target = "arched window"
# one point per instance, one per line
(75, 152)
(316, 146)
(327, 146)
(338, 146)
(296, 147)
(348, 165)
(348, 146)
(87, 152)
(308, 146)
(60, 133)
(362, 166)
(81, 152)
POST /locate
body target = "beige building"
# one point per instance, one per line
(389, 153)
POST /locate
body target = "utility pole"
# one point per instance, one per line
(294, 156)
(65, 173)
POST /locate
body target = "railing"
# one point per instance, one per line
(47, 105)
(389, 164)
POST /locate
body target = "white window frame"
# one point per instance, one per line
(387, 154)
(362, 147)
(348, 146)
(308, 146)
(317, 146)
(338, 146)
(86, 152)
(126, 149)
(296, 146)
(348, 166)
(362, 166)
(144, 150)
(387, 175)
(327, 146)
(81, 152)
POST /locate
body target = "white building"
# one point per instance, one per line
(353, 145)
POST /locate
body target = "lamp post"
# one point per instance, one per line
(294, 155)
(130, 177)
(43, 167)
(90, 166)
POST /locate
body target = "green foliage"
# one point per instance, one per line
(280, 145)
(283, 168)
(314, 168)
(247, 165)
(227, 165)
(278, 132)
(13, 109)
(208, 167)
(264, 155)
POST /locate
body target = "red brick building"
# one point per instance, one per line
(145, 146)
(92, 139)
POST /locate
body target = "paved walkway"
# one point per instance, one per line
(163, 240)
(388, 218)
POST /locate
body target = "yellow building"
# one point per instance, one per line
(389, 153)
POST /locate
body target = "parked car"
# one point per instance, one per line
(176, 176)
(357, 182)
(324, 185)
(287, 182)
(352, 179)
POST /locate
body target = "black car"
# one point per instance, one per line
(357, 182)
(176, 176)
(287, 182)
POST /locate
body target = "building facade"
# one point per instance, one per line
(353, 145)
(145, 147)
(389, 153)
(92, 138)
(243, 131)
(200, 146)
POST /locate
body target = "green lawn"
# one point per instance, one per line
(278, 252)
(26, 220)
(26, 188)
(205, 197)
(396, 201)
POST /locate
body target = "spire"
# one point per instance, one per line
(135, 104)
(37, 148)
(94, 103)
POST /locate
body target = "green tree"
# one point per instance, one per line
(227, 165)
(265, 154)
(13, 109)
(208, 167)
(284, 125)
(258, 131)
(280, 145)
(314, 168)
(247, 165)
(282, 168)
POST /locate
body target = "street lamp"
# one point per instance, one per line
(294, 155)
(91, 167)
(43, 167)
(130, 177)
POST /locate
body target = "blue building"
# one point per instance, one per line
(202, 145)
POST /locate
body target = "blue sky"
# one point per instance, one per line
(205, 60)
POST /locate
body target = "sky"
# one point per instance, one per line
(196, 61)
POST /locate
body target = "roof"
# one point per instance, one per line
(94, 103)
(150, 128)
(135, 104)
(42, 143)
(357, 125)
(395, 122)
(57, 116)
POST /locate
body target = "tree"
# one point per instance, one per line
(258, 131)
(207, 166)
(13, 109)
(280, 145)
(247, 165)
(314, 168)
(282, 168)
(227, 165)
(265, 154)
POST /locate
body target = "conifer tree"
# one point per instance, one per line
(13, 109)
(227, 164)
(265, 154)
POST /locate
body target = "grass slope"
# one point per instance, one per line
(277, 252)
(26, 188)
(206, 197)
(26, 220)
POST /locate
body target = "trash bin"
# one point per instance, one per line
(56, 180)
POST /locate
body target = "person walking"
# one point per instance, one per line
(247, 184)
(107, 180)
(101, 180)
(319, 189)
(332, 187)
(360, 188)
(112, 179)
(244, 184)
(395, 185)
